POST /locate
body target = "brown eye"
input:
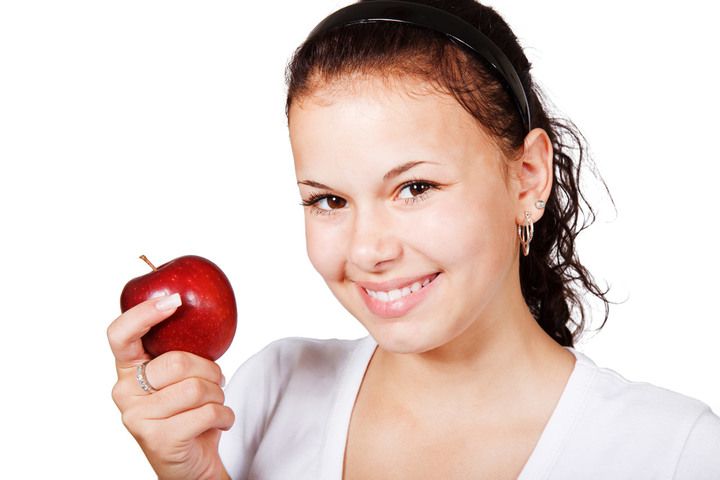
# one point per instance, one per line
(416, 189)
(315, 202)
(335, 202)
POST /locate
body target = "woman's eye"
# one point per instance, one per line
(324, 204)
(416, 189)
(332, 202)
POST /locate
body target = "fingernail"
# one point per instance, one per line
(222, 380)
(169, 302)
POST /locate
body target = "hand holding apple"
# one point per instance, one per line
(177, 426)
(206, 321)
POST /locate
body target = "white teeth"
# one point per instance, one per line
(397, 293)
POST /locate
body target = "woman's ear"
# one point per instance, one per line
(533, 175)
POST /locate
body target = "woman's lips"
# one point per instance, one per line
(397, 283)
(399, 307)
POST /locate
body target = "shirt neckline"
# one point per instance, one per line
(564, 417)
(539, 463)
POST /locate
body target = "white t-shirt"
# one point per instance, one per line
(293, 399)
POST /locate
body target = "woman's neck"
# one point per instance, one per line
(503, 356)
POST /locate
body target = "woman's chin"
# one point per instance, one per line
(398, 339)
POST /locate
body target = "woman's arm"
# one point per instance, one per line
(700, 458)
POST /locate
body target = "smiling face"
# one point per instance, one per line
(409, 186)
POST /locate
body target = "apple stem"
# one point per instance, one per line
(143, 257)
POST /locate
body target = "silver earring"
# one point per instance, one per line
(540, 204)
(525, 232)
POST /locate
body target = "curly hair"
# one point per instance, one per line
(551, 273)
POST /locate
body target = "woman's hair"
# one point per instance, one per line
(396, 51)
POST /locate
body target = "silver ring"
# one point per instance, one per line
(142, 380)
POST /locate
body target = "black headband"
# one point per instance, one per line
(441, 21)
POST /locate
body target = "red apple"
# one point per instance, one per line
(204, 324)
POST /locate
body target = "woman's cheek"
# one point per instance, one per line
(473, 230)
(324, 248)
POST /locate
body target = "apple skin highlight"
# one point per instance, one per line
(206, 321)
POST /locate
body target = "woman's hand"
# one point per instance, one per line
(178, 426)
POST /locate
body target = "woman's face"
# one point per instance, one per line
(410, 187)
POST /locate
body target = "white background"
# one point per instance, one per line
(158, 128)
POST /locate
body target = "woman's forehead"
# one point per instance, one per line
(375, 114)
(358, 138)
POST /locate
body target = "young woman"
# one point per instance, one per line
(441, 201)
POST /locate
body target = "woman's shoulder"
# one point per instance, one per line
(640, 423)
(323, 347)
(296, 358)
(312, 353)
(619, 396)
(283, 392)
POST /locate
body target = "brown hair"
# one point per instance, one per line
(391, 51)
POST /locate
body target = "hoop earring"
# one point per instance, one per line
(525, 232)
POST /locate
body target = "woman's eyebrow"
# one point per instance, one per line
(388, 176)
(403, 168)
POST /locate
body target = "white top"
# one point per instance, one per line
(293, 399)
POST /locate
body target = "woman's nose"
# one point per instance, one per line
(374, 241)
